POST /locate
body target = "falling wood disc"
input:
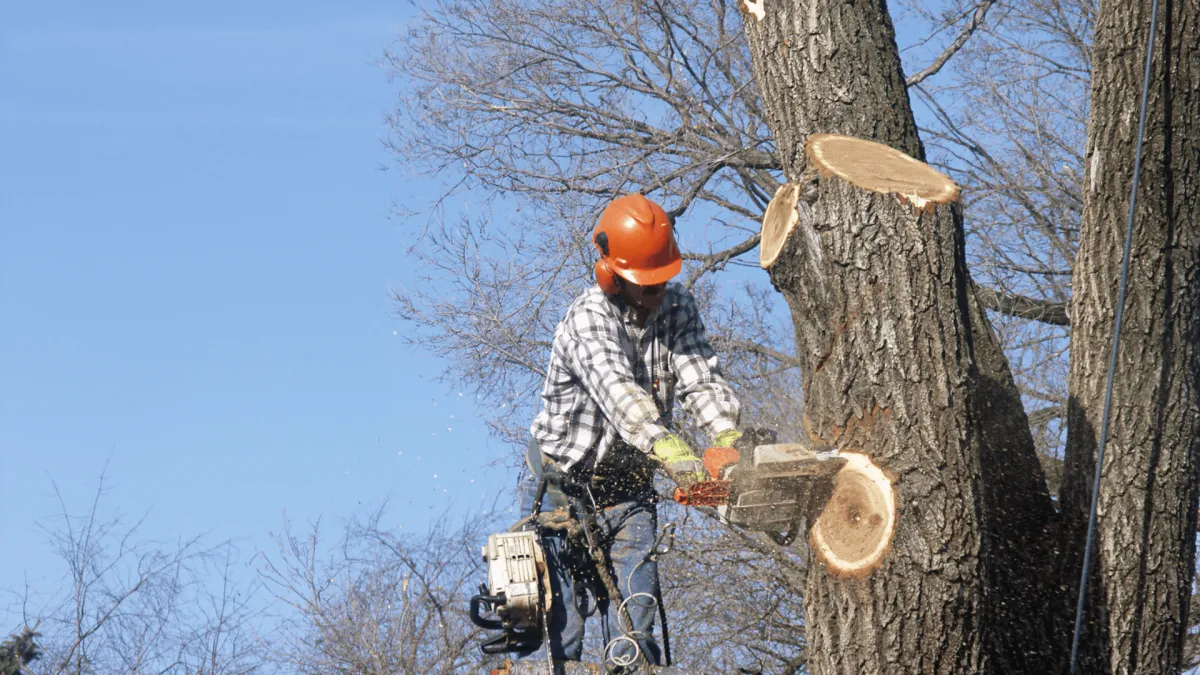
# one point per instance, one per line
(778, 221)
(854, 531)
(879, 168)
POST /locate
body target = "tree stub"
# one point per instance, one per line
(880, 168)
(853, 533)
(778, 221)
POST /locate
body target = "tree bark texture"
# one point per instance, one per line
(1147, 515)
(885, 342)
(900, 362)
(830, 67)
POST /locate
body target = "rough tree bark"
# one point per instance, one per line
(900, 361)
(1148, 488)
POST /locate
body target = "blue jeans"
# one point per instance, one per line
(628, 530)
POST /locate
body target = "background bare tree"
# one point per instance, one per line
(135, 606)
(372, 600)
(540, 112)
(734, 600)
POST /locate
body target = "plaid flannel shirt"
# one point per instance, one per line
(599, 381)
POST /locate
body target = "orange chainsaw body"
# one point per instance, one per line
(713, 492)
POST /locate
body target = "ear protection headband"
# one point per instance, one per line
(608, 281)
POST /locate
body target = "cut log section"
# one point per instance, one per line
(853, 533)
(778, 221)
(879, 168)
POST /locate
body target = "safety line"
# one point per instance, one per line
(1112, 359)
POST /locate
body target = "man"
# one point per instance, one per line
(627, 347)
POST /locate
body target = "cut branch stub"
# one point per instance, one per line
(853, 533)
(778, 221)
(879, 168)
(755, 7)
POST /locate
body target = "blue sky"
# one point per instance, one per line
(196, 250)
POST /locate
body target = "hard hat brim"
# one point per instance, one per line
(654, 276)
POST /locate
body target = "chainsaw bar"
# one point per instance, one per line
(708, 493)
(768, 488)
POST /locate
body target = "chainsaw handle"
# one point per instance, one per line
(716, 460)
(714, 491)
(480, 620)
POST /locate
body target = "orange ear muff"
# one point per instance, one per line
(606, 279)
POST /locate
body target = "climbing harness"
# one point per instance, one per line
(512, 592)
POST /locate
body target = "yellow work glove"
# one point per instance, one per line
(682, 465)
(726, 438)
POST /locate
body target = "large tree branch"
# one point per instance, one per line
(1020, 306)
(1046, 414)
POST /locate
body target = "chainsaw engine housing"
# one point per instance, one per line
(517, 592)
(772, 487)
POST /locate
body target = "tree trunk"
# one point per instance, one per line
(1138, 605)
(900, 362)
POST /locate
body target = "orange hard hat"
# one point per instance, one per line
(637, 242)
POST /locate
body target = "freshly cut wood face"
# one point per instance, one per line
(879, 168)
(778, 221)
(854, 531)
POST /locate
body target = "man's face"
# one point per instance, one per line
(645, 297)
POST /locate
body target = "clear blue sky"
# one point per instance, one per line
(195, 257)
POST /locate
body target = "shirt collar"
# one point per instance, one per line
(625, 311)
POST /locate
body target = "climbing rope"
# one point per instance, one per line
(1112, 358)
(629, 634)
(586, 530)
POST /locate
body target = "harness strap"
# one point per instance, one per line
(549, 474)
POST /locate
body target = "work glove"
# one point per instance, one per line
(682, 465)
(726, 438)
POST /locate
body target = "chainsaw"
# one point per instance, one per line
(766, 487)
(517, 594)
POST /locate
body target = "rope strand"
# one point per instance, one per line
(1112, 359)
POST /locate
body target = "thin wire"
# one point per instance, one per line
(630, 634)
(1112, 358)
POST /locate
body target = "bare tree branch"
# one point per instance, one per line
(969, 29)
(1012, 304)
